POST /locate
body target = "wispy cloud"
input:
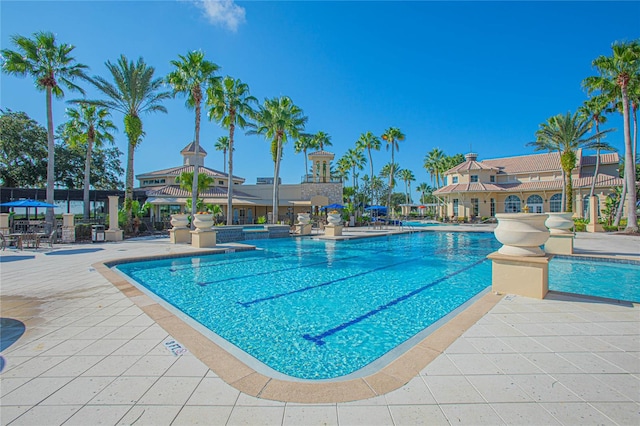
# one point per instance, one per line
(224, 13)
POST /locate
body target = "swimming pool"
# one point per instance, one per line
(323, 309)
(313, 309)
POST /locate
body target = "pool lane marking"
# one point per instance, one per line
(274, 271)
(311, 287)
(318, 339)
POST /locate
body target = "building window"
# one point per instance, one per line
(555, 203)
(492, 178)
(535, 204)
(474, 178)
(492, 205)
(475, 206)
(220, 182)
(454, 179)
(512, 204)
(455, 207)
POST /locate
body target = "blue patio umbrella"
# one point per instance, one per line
(332, 206)
(377, 209)
(28, 203)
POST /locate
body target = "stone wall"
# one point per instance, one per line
(333, 191)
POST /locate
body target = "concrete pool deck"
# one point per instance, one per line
(91, 355)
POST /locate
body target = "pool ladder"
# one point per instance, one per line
(409, 228)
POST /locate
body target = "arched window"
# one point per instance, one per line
(535, 204)
(512, 204)
(555, 203)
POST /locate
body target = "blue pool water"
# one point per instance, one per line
(324, 309)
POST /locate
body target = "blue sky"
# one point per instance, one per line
(454, 75)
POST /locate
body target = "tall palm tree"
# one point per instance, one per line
(616, 74)
(303, 144)
(356, 161)
(322, 139)
(133, 92)
(369, 141)
(278, 120)
(231, 106)
(407, 176)
(432, 163)
(222, 144)
(392, 136)
(424, 189)
(191, 77)
(565, 134)
(51, 66)
(88, 126)
(595, 109)
(185, 180)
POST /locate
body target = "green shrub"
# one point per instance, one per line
(261, 220)
(580, 224)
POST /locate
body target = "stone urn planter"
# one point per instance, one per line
(334, 219)
(560, 223)
(203, 221)
(304, 218)
(521, 234)
(179, 221)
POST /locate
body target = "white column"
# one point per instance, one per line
(114, 233)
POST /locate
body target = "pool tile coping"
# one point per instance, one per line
(245, 379)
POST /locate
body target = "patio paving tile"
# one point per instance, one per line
(34, 391)
(524, 413)
(41, 415)
(124, 390)
(78, 391)
(364, 415)
(203, 415)
(98, 415)
(576, 413)
(256, 416)
(150, 415)
(310, 415)
(471, 414)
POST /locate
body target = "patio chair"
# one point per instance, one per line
(52, 238)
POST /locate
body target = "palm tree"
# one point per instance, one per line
(278, 120)
(432, 163)
(89, 126)
(185, 180)
(617, 73)
(594, 109)
(357, 162)
(565, 134)
(392, 136)
(192, 75)
(230, 103)
(368, 141)
(222, 144)
(50, 64)
(303, 144)
(424, 189)
(407, 176)
(322, 139)
(133, 93)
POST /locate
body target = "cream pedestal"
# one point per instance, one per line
(559, 244)
(333, 230)
(593, 225)
(114, 235)
(179, 235)
(522, 275)
(203, 238)
(303, 228)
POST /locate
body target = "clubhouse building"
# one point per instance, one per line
(506, 185)
(249, 201)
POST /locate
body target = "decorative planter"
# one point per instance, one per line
(521, 234)
(179, 221)
(203, 221)
(304, 218)
(334, 219)
(560, 223)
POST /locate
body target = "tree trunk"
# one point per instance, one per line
(569, 191)
(390, 183)
(230, 180)
(276, 173)
(87, 179)
(196, 151)
(595, 172)
(306, 165)
(128, 192)
(629, 167)
(50, 217)
(620, 210)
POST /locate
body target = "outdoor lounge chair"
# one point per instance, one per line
(52, 238)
